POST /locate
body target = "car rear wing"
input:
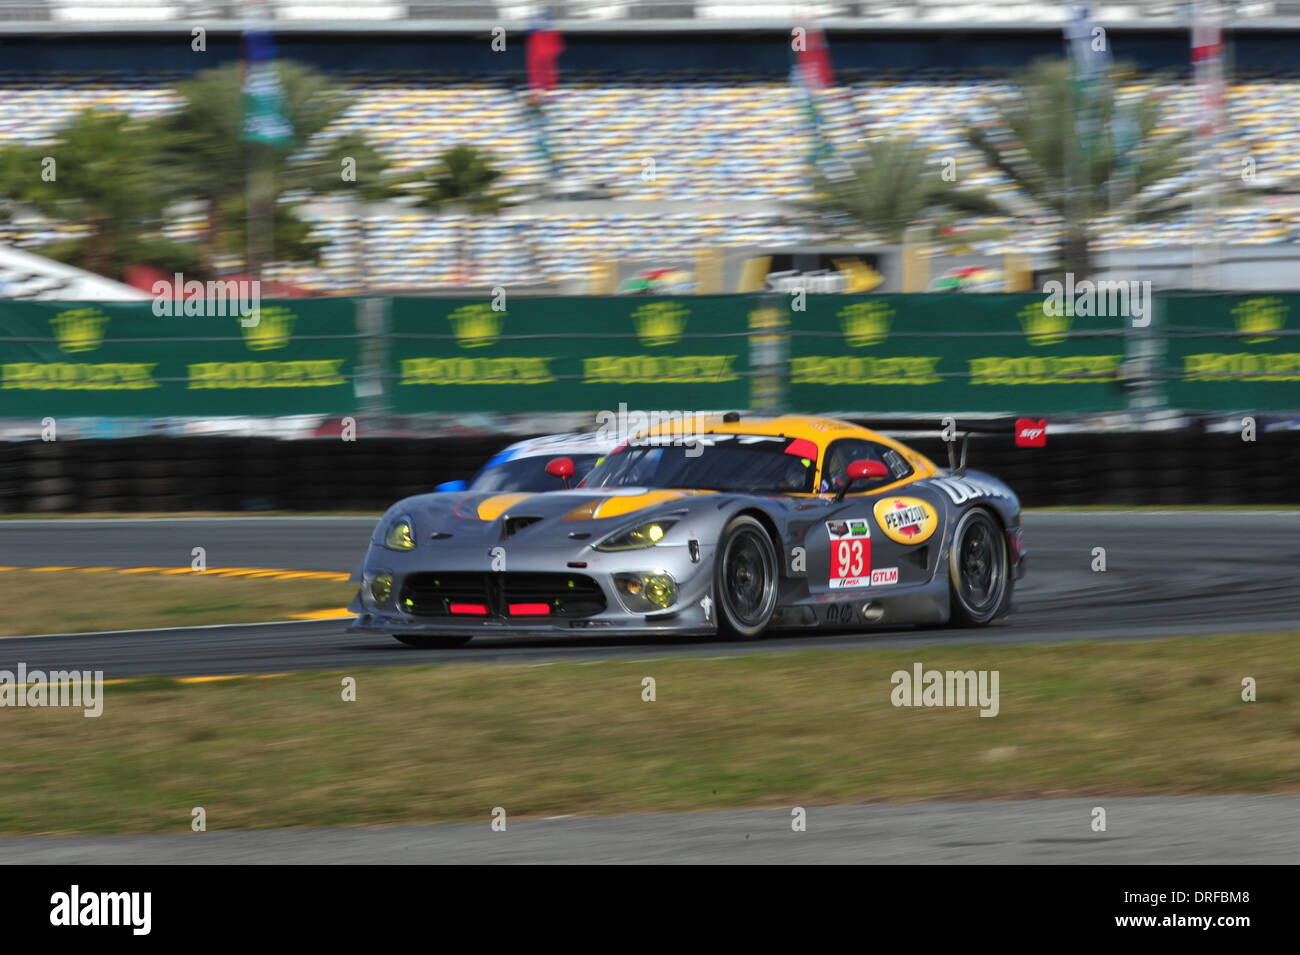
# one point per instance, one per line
(955, 436)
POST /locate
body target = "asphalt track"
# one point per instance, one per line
(1167, 573)
(1184, 830)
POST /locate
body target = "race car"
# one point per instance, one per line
(746, 525)
(522, 465)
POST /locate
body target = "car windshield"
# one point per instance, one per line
(718, 462)
(529, 474)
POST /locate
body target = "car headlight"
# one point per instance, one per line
(401, 534)
(646, 592)
(635, 538)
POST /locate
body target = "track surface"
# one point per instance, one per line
(1162, 830)
(1168, 573)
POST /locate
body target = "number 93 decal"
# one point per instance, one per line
(850, 553)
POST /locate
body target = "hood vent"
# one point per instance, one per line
(513, 525)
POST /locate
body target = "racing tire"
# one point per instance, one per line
(427, 641)
(745, 584)
(979, 581)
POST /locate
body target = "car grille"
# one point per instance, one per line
(510, 595)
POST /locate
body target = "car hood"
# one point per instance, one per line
(552, 518)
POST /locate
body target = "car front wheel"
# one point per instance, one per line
(745, 579)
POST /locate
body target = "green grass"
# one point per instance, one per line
(425, 744)
(73, 602)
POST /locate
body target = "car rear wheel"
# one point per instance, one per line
(745, 579)
(977, 566)
(431, 642)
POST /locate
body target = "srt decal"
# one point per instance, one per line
(1031, 433)
(906, 520)
(850, 552)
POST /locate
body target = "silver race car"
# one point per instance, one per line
(747, 525)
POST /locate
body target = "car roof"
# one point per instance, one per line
(577, 442)
(819, 430)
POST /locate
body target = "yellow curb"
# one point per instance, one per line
(211, 679)
(273, 573)
(338, 614)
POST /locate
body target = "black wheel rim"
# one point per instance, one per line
(747, 575)
(979, 562)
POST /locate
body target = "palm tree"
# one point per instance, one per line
(1032, 137)
(463, 177)
(98, 173)
(892, 185)
(206, 160)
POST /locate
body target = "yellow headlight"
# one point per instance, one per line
(643, 535)
(401, 535)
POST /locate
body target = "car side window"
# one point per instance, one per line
(840, 454)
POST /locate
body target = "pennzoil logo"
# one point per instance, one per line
(274, 329)
(660, 323)
(865, 323)
(1042, 329)
(1258, 316)
(906, 520)
(79, 329)
(476, 325)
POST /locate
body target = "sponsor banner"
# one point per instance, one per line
(930, 353)
(567, 354)
(1232, 352)
(85, 359)
(906, 520)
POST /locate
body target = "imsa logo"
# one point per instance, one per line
(906, 520)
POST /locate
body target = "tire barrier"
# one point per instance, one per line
(1185, 467)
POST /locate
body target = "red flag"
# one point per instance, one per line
(814, 60)
(544, 47)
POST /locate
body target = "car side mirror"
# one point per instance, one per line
(452, 486)
(561, 468)
(861, 471)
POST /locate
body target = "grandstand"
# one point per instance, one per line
(397, 14)
(729, 145)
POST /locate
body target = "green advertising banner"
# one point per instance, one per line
(926, 353)
(1232, 352)
(570, 354)
(86, 359)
